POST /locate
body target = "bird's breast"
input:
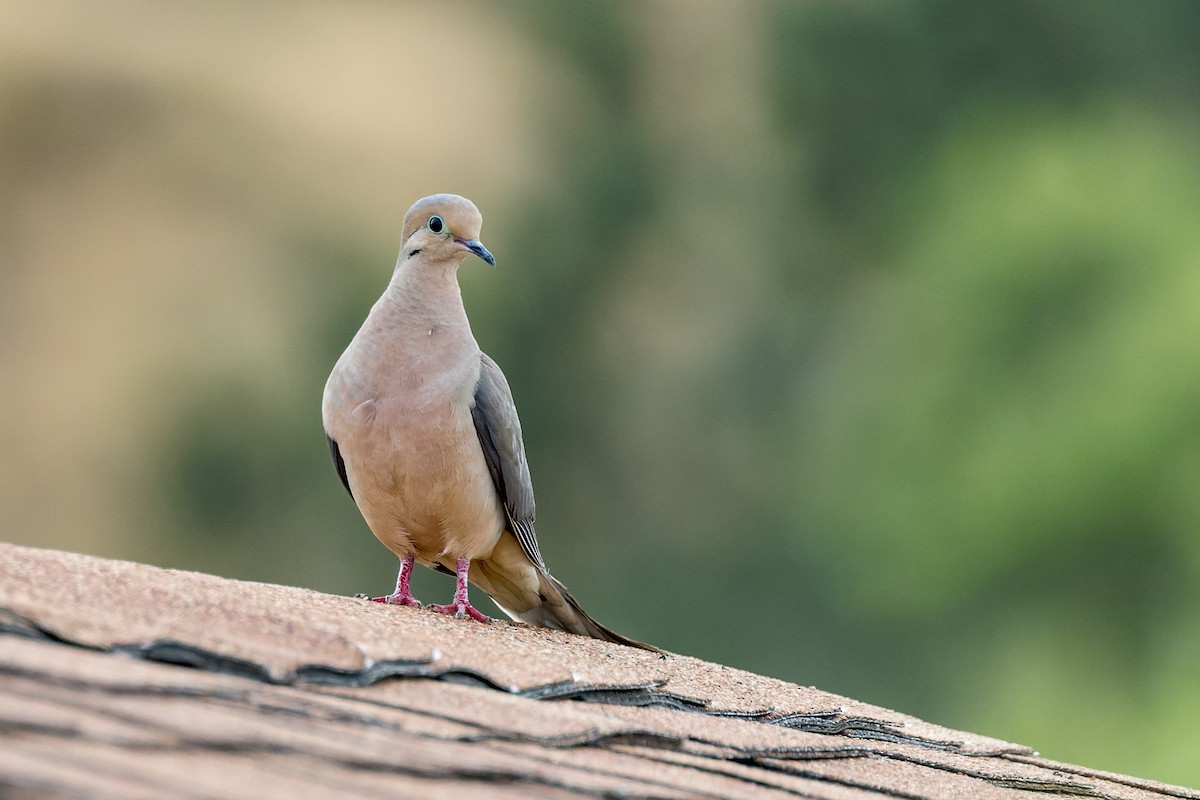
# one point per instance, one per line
(399, 406)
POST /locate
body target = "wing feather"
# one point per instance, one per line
(499, 431)
(339, 464)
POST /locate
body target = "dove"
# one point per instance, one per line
(424, 434)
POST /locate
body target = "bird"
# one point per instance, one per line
(424, 434)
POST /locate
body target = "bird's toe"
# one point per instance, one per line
(460, 610)
(396, 600)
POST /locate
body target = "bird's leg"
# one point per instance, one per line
(461, 606)
(403, 595)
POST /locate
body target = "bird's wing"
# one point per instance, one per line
(339, 464)
(499, 432)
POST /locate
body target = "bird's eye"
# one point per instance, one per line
(436, 224)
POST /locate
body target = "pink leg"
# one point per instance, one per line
(403, 595)
(461, 606)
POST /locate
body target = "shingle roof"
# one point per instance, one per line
(293, 693)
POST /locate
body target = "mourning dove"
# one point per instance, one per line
(424, 435)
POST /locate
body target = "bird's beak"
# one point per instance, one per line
(476, 247)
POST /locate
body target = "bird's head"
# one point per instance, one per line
(444, 227)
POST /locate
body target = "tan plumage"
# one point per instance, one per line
(424, 434)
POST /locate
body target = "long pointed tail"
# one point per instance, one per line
(561, 611)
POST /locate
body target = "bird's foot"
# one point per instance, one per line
(460, 609)
(397, 599)
(401, 595)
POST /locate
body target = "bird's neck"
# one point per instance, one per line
(416, 329)
(425, 296)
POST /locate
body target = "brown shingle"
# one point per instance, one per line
(296, 693)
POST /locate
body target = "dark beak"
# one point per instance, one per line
(476, 247)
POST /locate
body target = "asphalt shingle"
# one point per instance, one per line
(126, 680)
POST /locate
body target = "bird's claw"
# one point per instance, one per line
(460, 610)
(394, 600)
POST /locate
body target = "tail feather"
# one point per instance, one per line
(561, 611)
(528, 593)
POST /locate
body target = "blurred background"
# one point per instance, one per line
(856, 343)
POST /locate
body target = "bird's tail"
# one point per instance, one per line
(528, 593)
(559, 609)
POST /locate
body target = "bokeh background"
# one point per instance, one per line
(856, 343)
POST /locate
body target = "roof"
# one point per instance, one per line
(125, 680)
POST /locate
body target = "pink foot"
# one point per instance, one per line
(402, 596)
(461, 607)
(460, 610)
(397, 600)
